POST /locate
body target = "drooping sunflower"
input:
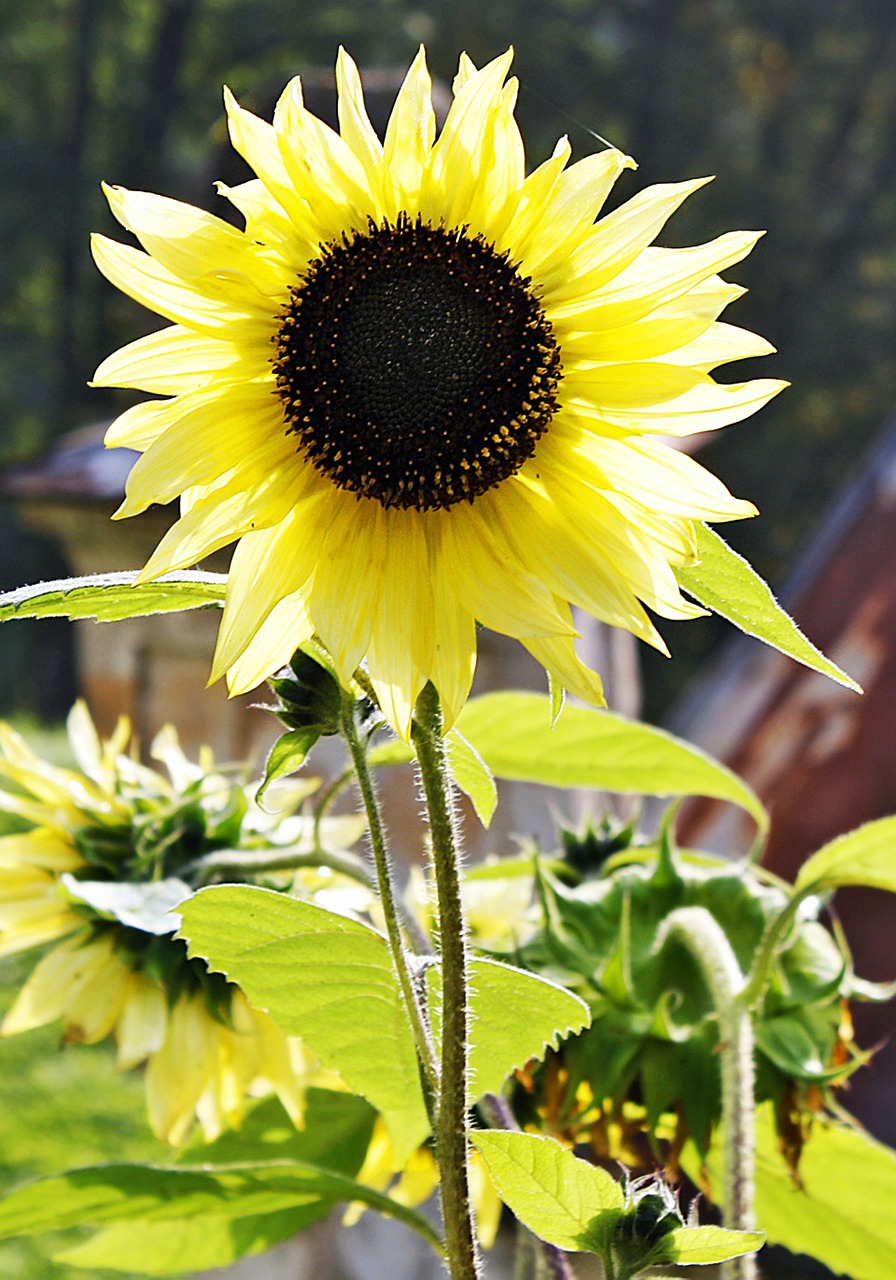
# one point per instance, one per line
(85, 853)
(423, 389)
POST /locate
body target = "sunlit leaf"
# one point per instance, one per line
(557, 1196)
(324, 977)
(866, 856)
(725, 583)
(243, 1208)
(596, 749)
(515, 1016)
(844, 1211)
(473, 776)
(109, 597)
(697, 1246)
(286, 756)
(468, 769)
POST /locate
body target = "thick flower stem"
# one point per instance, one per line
(422, 1036)
(451, 1138)
(705, 939)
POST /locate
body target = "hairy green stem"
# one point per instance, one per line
(451, 1138)
(706, 940)
(422, 1036)
(255, 861)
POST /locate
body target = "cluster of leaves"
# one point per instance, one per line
(586, 972)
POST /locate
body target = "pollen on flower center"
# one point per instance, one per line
(415, 365)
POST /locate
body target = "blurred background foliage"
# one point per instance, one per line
(793, 106)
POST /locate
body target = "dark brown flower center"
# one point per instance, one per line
(415, 365)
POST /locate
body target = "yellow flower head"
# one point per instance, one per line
(95, 857)
(424, 389)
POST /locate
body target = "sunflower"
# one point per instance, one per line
(423, 389)
(87, 853)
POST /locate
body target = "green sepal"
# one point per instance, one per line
(286, 756)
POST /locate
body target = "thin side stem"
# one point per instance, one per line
(705, 939)
(451, 1137)
(256, 861)
(422, 1035)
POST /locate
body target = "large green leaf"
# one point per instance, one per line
(513, 735)
(109, 597)
(843, 1214)
(552, 1192)
(240, 1208)
(515, 1016)
(866, 856)
(725, 583)
(326, 978)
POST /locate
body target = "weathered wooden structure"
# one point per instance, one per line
(823, 759)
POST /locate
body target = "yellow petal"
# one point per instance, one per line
(147, 282)
(196, 246)
(226, 514)
(286, 627)
(354, 123)
(204, 433)
(348, 586)
(266, 567)
(175, 360)
(666, 398)
(654, 278)
(614, 243)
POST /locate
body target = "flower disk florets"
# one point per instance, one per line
(415, 365)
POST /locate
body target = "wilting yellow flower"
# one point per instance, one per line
(91, 840)
(202, 1065)
(424, 389)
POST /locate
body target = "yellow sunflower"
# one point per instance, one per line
(82, 837)
(423, 389)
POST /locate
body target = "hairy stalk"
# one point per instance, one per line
(377, 831)
(254, 861)
(451, 1138)
(705, 939)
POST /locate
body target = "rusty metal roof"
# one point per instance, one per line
(822, 758)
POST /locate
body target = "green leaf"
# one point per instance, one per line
(597, 749)
(515, 1016)
(844, 1213)
(866, 856)
(697, 1246)
(557, 1196)
(473, 776)
(724, 582)
(146, 906)
(286, 756)
(109, 597)
(242, 1208)
(392, 751)
(326, 978)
